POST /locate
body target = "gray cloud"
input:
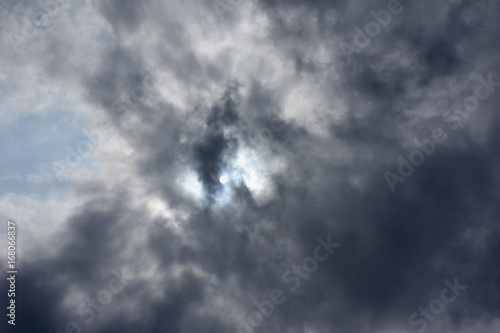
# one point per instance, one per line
(203, 251)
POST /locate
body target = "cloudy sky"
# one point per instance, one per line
(220, 166)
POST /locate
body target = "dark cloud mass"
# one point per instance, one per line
(381, 138)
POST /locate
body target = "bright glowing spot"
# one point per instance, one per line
(223, 179)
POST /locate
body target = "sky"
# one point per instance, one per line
(220, 166)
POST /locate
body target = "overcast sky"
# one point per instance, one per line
(220, 166)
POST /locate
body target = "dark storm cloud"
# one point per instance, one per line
(89, 259)
(210, 154)
(41, 304)
(405, 232)
(397, 248)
